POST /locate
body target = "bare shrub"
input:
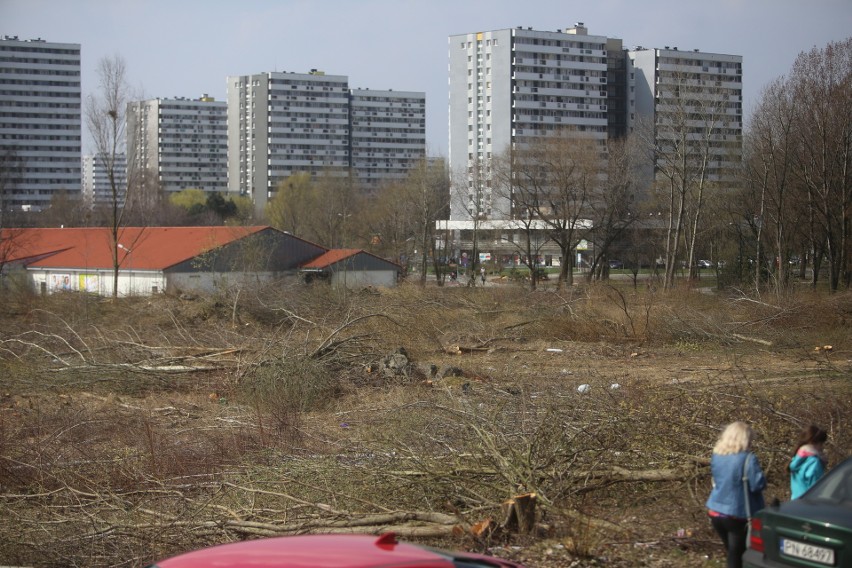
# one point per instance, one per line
(285, 390)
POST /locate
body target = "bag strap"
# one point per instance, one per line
(746, 492)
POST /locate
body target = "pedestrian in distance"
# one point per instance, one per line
(737, 494)
(482, 275)
(808, 463)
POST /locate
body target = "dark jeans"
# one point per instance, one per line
(734, 533)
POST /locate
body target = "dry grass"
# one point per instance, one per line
(136, 429)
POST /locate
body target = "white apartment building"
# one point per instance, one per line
(281, 124)
(97, 188)
(510, 86)
(181, 142)
(40, 122)
(388, 134)
(693, 91)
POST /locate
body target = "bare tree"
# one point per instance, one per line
(106, 120)
(386, 221)
(526, 231)
(332, 219)
(696, 145)
(65, 210)
(428, 190)
(554, 178)
(145, 197)
(472, 195)
(319, 209)
(769, 152)
(400, 218)
(822, 79)
(611, 203)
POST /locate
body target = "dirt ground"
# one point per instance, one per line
(667, 526)
(152, 395)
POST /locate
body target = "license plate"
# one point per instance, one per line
(810, 552)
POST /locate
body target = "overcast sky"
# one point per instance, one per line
(185, 48)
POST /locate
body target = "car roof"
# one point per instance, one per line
(311, 551)
(837, 482)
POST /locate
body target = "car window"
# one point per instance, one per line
(835, 486)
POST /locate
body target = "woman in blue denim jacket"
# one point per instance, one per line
(736, 473)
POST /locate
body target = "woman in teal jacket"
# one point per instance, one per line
(738, 484)
(808, 463)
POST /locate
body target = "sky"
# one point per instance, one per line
(187, 48)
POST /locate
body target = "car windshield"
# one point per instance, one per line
(835, 487)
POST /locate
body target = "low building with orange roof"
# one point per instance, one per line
(151, 260)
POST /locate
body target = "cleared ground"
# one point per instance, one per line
(139, 428)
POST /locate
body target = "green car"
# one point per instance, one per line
(812, 531)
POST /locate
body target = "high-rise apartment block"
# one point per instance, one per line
(181, 143)
(510, 87)
(97, 186)
(281, 124)
(691, 92)
(40, 122)
(388, 134)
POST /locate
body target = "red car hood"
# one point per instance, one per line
(320, 551)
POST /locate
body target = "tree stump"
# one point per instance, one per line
(519, 513)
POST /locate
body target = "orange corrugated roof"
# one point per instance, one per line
(327, 259)
(336, 255)
(145, 248)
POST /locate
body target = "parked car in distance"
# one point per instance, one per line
(813, 530)
(705, 264)
(330, 551)
(616, 264)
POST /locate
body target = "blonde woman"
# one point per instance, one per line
(738, 484)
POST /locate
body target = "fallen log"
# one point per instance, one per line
(613, 474)
(752, 339)
(459, 349)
